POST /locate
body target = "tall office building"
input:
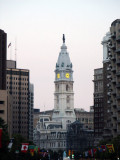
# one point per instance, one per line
(106, 84)
(5, 99)
(3, 48)
(18, 88)
(98, 103)
(111, 81)
(31, 105)
(114, 84)
(3, 92)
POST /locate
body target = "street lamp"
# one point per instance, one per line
(17, 153)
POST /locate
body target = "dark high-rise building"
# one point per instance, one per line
(106, 84)
(18, 88)
(31, 105)
(3, 48)
(111, 81)
(98, 104)
(5, 99)
(114, 84)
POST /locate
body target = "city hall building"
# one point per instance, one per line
(52, 129)
(51, 134)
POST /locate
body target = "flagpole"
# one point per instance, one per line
(11, 52)
(16, 50)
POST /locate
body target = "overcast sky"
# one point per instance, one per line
(37, 27)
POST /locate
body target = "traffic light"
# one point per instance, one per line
(69, 153)
(72, 155)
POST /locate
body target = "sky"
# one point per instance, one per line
(35, 29)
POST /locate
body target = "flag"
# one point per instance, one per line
(103, 148)
(94, 151)
(39, 150)
(36, 149)
(9, 45)
(86, 153)
(99, 148)
(0, 137)
(24, 147)
(10, 143)
(31, 148)
(44, 154)
(110, 148)
(90, 152)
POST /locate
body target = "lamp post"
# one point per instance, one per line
(17, 154)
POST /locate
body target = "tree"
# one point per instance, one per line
(116, 143)
(5, 139)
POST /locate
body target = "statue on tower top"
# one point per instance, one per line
(63, 38)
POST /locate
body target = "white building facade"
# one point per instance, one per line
(64, 95)
(52, 134)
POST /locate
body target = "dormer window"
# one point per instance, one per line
(62, 65)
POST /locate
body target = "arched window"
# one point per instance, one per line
(67, 87)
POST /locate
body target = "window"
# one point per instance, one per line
(1, 102)
(1, 111)
(82, 119)
(68, 99)
(86, 120)
(67, 87)
(57, 99)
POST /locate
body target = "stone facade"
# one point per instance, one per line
(51, 134)
(3, 105)
(86, 118)
(64, 95)
(51, 130)
(6, 109)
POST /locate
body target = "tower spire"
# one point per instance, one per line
(63, 38)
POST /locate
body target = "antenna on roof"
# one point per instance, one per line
(44, 109)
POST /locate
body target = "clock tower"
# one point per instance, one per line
(64, 95)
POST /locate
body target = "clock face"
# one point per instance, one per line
(58, 75)
(67, 75)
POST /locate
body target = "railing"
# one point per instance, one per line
(118, 73)
(113, 57)
(117, 50)
(113, 69)
(118, 61)
(118, 38)
(118, 108)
